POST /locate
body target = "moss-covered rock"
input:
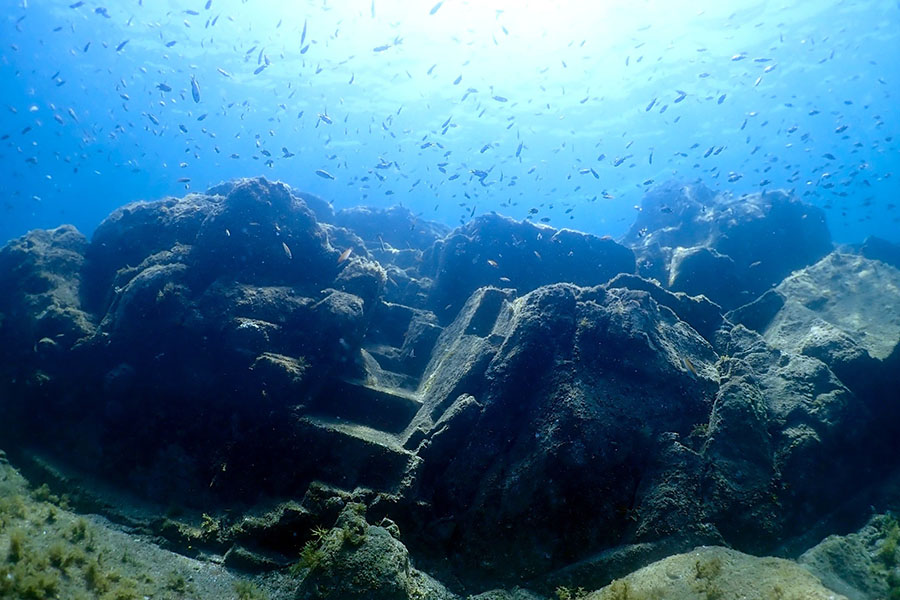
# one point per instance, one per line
(356, 560)
(715, 573)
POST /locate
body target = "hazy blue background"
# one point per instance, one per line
(797, 95)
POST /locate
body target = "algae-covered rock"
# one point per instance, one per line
(856, 298)
(714, 572)
(860, 565)
(356, 560)
(40, 275)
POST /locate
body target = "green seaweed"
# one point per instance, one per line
(310, 558)
(887, 552)
(247, 590)
(177, 583)
(567, 593)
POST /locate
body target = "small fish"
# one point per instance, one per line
(287, 251)
(721, 99)
(121, 45)
(344, 255)
(492, 262)
(324, 174)
(457, 80)
(303, 35)
(260, 69)
(500, 99)
(223, 72)
(170, 44)
(195, 89)
(681, 96)
(436, 7)
(381, 48)
(76, 5)
(163, 87)
(690, 366)
(649, 106)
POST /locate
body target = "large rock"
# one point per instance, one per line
(497, 251)
(597, 415)
(861, 565)
(219, 317)
(729, 249)
(395, 227)
(544, 418)
(843, 310)
(356, 560)
(40, 308)
(712, 572)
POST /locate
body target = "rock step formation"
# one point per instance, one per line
(349, 454)
(388, 409)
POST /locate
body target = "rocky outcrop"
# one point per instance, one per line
(860, 565)
(548, 430)
(492, 250)
(40, 305)
(712, 572)
(843, 310)
(359, 560)
(514, 398)
(729, 249)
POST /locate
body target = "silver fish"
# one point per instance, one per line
(195, 89)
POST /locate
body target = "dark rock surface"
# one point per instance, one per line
(730, 249)
(876, 248)
(497, 251)
(526, 404)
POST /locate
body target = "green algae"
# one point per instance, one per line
(48, 552)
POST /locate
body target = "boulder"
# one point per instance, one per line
(715, 572)
(359, 560)
(396, 227)
(729, 249)
(545, 415)
(876, 248)
(497, 251)
(41, 314)
(843, 310)
(861, 564)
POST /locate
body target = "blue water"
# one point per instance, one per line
(564, 111)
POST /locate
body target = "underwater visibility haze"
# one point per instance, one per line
(495, 300)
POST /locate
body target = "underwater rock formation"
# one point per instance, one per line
(712, 572)
(497, 251)
(729, 249)
(520, 402)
